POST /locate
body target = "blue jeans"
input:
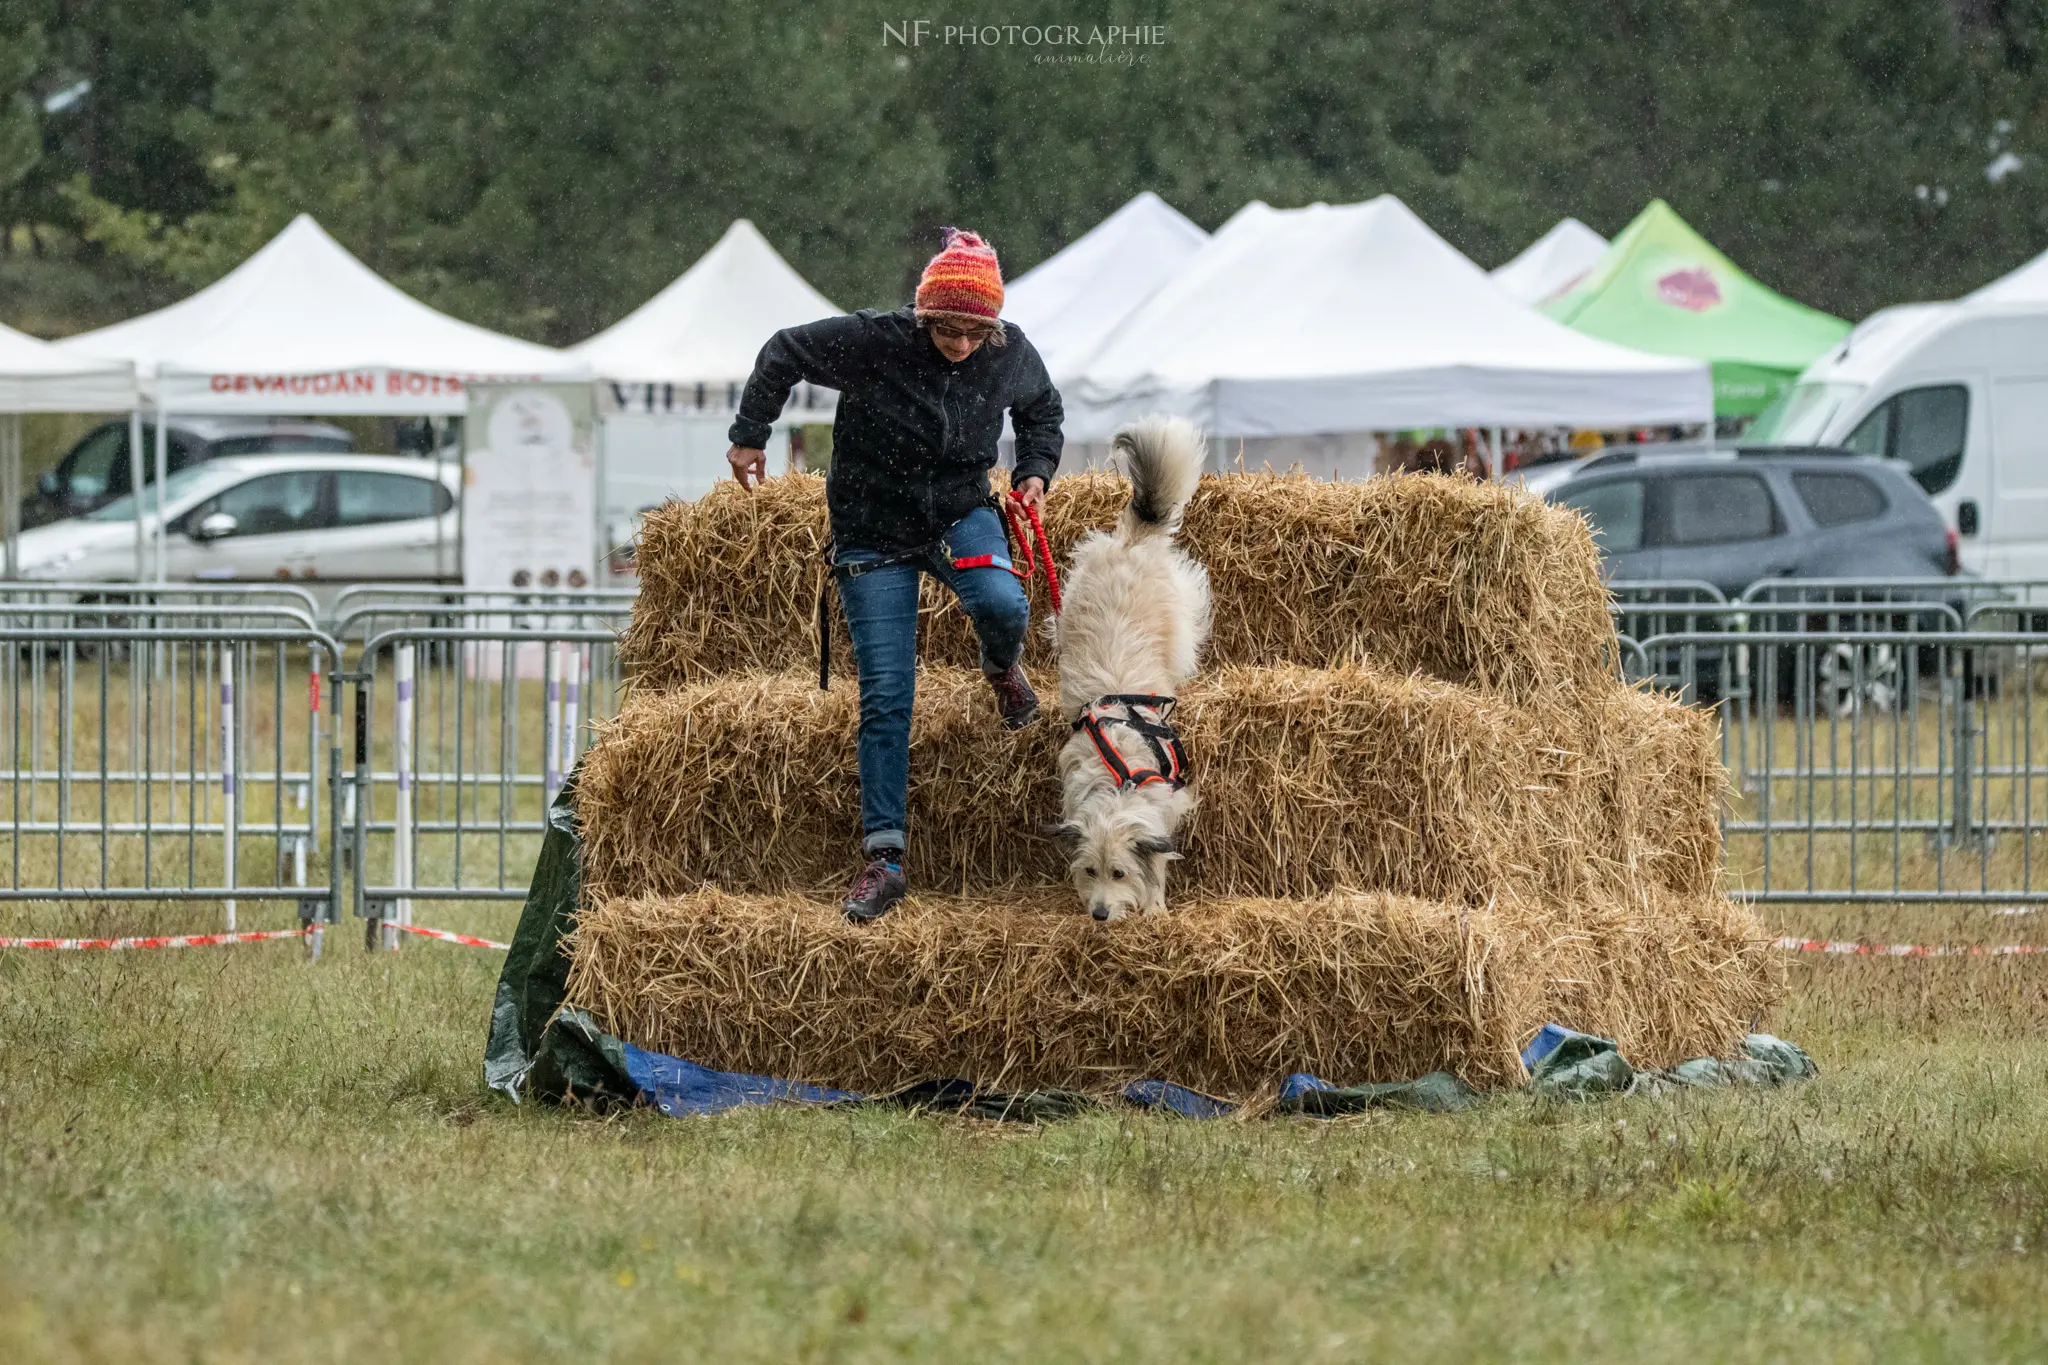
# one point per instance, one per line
(881, 615)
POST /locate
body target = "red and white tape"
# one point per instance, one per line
(246, 936)
(446, 936)
(159, 941)
(1853, 949)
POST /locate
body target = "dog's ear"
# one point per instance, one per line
(1066, 833)
(1151, 846)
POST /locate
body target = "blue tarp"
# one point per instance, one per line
(1564, 1064)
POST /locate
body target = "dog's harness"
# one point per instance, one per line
(1014, 510)
(1144, 714)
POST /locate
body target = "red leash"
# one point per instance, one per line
(1017, 511)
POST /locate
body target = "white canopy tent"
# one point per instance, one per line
(1552, 262)
(1069, 302)
(707, 326)
(36, 376)
(40, 376)
(304, 327)
(1358, 317)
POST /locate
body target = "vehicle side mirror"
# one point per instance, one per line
(48, 484)
(213, 526)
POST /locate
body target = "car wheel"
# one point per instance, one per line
(1851, 678)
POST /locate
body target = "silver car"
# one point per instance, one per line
(324, 518)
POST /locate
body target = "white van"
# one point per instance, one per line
(1959, 391)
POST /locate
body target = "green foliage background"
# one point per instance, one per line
(544, 165)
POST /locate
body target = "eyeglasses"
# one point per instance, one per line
(973, 334)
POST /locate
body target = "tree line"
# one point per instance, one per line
(543, 166)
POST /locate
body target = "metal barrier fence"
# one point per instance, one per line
(185, 745)
(1895, 766)
(201, 594)
(484, 727)
(365, 610)
(177, 762)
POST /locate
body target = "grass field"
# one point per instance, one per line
(236, 1154)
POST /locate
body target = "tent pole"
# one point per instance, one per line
(163, 461)
(601, 539)
(460, 572)
(135, 487)
(440, 481)
(10, 490)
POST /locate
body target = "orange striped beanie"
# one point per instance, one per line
(963, 282)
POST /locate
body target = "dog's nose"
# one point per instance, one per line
(1101, 913)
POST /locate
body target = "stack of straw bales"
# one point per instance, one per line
(1431, 818)
(1471, 584)
(1311, 781)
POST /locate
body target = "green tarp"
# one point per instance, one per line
(1663, 288)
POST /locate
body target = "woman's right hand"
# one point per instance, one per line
(747, 464)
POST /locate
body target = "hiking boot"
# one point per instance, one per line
(879, 886)
(1015, 701)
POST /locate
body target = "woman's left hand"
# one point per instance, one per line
(1031, 493)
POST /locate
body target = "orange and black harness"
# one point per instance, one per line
(1144, 714)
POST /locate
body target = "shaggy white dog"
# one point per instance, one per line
(1131, 631)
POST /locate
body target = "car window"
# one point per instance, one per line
(194, 481)
(1924, 427)
(281, 443)
(1839, 499)
(1929, 431)
(363, 499)
(180, 452)
(272, 504)
(1615, 511)
(1801, 415)
(1715, 509)
(97, 468)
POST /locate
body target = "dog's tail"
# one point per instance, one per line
(1162, 457)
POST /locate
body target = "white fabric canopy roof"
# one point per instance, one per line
(707, 326)
(36, 376)
(304, 327)
(1551, 262)
(1357, 317)
(1071, 300)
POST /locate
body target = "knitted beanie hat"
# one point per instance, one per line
(963, 283)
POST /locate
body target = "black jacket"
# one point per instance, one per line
(916, 434)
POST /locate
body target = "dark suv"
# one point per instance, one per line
(1734, 517)
(96, 471)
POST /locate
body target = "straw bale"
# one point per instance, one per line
(1477, 584)
(1226, 997)
(1309, 781)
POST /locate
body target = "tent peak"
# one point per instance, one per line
(708, 323)
(1069, 301)
(1552, 263)
(1664, 288)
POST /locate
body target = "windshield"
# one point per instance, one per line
(1801, 416)
(199, 478)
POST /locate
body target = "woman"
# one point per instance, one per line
(922, 393)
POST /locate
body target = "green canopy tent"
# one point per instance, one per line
(1663, 288)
